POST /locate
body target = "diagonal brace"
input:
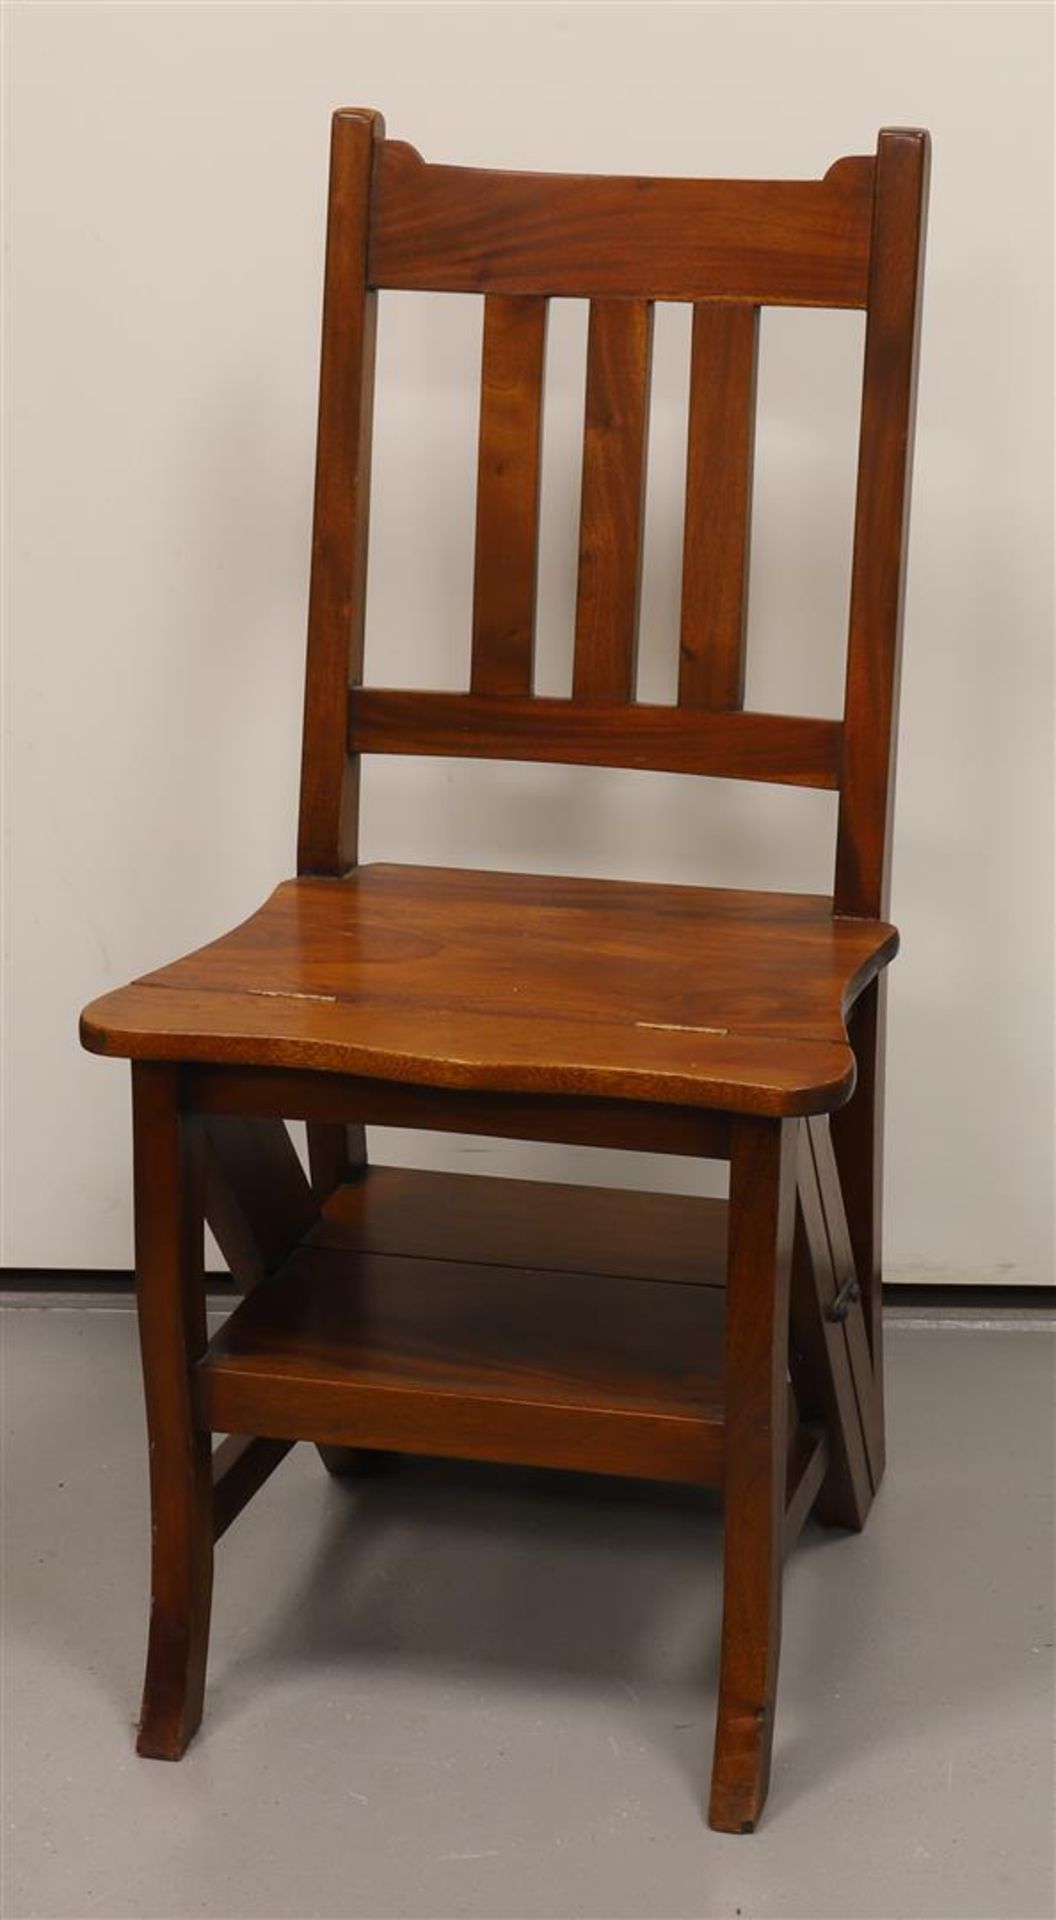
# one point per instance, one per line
(830, 1357)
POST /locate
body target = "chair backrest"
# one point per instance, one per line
(852, 239)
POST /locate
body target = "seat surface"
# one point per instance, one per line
(521, 983)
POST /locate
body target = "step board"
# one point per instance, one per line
(533, 1322)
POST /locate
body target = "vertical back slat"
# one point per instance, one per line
(329, 780)
(881, 516)
(619, 352)
(721, 443)
(511, 424)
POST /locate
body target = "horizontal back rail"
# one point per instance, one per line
(786, 749)
(467, 230)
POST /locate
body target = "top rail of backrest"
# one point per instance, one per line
(445, 229)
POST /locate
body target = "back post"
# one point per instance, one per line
(328, 834)
(327, 837)
(874, 642)
(874, 647)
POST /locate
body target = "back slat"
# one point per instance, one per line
(619, 353)
(511, 420)
(718, 506)
(786, 749)
(464, 230)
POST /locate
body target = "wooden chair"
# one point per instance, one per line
(506, 1320)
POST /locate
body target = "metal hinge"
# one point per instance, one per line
(840, 1306)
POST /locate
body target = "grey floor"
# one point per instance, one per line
(477, 1692)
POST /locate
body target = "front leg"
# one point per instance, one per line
(761, 1221)
(170, 1298)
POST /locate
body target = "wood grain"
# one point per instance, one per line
(615, 444)
(783, 749)
(170, 1302)
(510, 1363)
(721, 442)
(508, 492)
(548, 1226)
(337, 598)
(467, 230)
(881, 521)
(389, 1309)
(511, 981)
(755, 1398)
(257, 1200)
(636, 1126)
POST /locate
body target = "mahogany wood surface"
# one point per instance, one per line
(437, 976)
(335, 1153)
(635, 1333)
(874, 643)
(467, 230)
(858, 1144)
(615, 441)
(508, 493)
(260, 1205)
(755, 1399)
(638, 1126)
(721, 444)
(793, 750)
(257, 1200)
(546, 1225)
(170, 1300)
(337, 597)
(548, 1368)
(417, 1293)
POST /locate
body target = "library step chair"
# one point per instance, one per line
(735, 1345)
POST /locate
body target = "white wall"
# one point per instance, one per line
(166, 172)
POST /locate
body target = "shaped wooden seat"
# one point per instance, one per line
(512, 981)
(736, 1343)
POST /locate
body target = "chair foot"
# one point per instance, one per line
(741, 1772)
(751, 1640)
(174, 1687)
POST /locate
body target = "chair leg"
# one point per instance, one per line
(170, 1290)
(857, 1140)
(336, 1154)
(761, 1220)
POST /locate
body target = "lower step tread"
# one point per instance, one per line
(473, 1357)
